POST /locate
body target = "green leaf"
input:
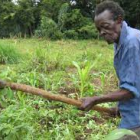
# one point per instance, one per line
(119, 133)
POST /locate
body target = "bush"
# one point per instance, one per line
(71, 34)
(74, 25)
(88, 32)
(48, 29)
(62, 17)
(71, 24)
(71, 20)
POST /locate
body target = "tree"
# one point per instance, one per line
(72, 17)
(132, 11)
(50, 8)
(7, 18)
(25, 15)
(86, 6)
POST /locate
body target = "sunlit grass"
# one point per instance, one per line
(48, 65)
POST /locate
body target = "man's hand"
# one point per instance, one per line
(115, 112)
(88, 103)
(120, 95)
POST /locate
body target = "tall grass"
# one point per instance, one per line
(48, 65)
(9, 54)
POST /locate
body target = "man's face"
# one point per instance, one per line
(107, 27)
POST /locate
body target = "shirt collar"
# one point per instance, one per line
(123, 35)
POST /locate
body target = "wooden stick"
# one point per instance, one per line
(50, 96)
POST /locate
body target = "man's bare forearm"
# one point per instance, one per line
(120, 95)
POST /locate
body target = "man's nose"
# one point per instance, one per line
(102, 33)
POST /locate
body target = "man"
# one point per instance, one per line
(111, 26)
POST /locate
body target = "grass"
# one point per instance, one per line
(9, 54)
(48, 65)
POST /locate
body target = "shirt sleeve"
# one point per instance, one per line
(130, 73)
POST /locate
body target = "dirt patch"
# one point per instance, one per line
(71, 69)
(67, 91)
(97, 82)
(98, 120)
(111, 84)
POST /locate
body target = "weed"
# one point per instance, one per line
(47, 65)
(9, 54)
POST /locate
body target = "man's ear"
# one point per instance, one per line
(119, 19)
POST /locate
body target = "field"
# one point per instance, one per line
(74, 69)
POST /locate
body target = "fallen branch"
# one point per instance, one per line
(50, 96)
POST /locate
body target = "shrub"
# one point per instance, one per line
(48, 29)
(62, 17)
(71, 24)
(88, 32)
(71, 34)
(74, 25)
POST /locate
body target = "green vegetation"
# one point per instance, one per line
(84, 77)
(9, 54)
(74, 68)
(119, 133)
(49, 65)
(61, 18)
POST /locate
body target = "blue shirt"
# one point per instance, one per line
(127, 66)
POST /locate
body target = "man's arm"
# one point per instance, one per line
(120, 95)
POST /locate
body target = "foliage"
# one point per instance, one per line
(131, 8)
(84, 77)
(119, 133)
(48, 29)
(20, 123)
(49, 67)
(49, 63)
(9, 54)
(63, 16)
(71, 34)
(7, 19)
(50, 8)
(88, 32)
(24, 17)
(74, 25)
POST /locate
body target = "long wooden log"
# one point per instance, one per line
(50, 96)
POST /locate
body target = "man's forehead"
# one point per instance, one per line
(105, 15)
